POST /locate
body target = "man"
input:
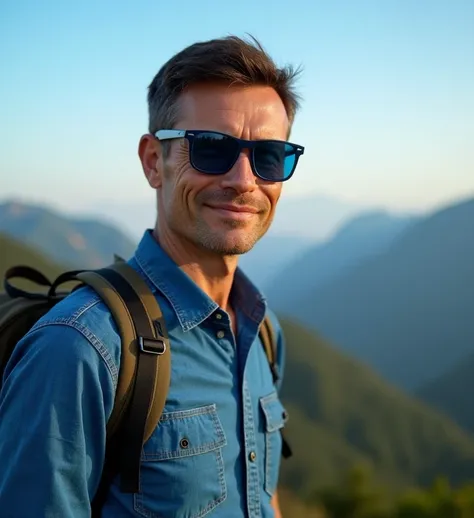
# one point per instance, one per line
(217, 449)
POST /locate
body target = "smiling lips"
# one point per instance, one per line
(239, 212)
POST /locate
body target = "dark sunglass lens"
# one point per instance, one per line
(213, 153)
(274, 161)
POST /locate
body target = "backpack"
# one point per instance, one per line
(145, 367)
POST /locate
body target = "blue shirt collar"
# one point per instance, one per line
(191, 305)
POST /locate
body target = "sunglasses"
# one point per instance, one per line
(211, 152)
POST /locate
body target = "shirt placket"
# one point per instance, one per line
(253, 483)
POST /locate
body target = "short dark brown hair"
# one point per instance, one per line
(229, 60)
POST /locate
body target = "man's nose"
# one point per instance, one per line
(240, 178)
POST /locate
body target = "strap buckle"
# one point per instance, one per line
(152, 345)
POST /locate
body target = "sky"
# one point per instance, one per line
(388, 94)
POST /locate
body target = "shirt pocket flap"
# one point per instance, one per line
(184, 433)
(274, 412)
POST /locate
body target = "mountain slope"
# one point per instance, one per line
(342, 413)
(363, 236)
(452, 393)
(312, 216)
(17, 253)
(271, 255)
(75, 242)
(407, 312)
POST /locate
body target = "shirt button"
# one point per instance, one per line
(220, 334)
(252, 456)
(218, 316)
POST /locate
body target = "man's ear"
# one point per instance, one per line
(150, 153)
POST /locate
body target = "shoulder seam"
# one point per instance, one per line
(96, 343)
(93, 301)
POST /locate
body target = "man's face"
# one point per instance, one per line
(195, 206)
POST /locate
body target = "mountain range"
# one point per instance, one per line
(271, 255)
(75, 242)
(366, 235)
(90, 237)
(407, 310)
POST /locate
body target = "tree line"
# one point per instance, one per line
(358, 495)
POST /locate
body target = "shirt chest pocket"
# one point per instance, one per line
(274, 418)
(182, 471)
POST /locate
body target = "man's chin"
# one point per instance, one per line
(232, 242)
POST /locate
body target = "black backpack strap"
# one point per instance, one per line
(26, 273)
(269, 342)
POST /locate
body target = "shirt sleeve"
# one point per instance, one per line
(55, 401)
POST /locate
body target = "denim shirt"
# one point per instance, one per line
(59, 391)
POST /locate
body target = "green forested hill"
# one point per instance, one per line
(452, 393)
(14, 252)
(342, 413)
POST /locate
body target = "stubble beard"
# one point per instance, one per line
(234, 237)
(239, 240)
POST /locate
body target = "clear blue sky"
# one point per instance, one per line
(388, 86)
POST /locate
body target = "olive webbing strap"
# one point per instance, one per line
(148, 349)
(141, 350)
(163, 360)
(128, 335)
(269, 342)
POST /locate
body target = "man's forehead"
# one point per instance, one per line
(234, 110)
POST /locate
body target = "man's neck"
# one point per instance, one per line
(212, 273)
